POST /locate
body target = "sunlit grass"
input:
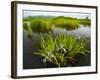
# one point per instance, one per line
(85, 22)
(61, 50)
(40, 25)
(67, 23)
(46, 24)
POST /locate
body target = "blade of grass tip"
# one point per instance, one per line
(56, 60)
(41, 54)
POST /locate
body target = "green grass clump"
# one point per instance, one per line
(39, 25)
(67, 23)
(85, 22)
(61, 50)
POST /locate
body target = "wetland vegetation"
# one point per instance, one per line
(61, 42)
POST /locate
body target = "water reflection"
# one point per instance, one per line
(31, 61)
(82, 31)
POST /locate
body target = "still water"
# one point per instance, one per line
(30, 46)
(82, 31)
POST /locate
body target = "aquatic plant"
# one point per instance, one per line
(61, 50)
(26, 26)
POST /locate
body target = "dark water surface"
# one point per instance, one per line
(29, 47)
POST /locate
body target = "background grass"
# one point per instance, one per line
(45, 24)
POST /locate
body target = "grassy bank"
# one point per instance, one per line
(45, 23)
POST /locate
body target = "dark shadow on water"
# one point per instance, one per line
(83, 60)
(30, 60)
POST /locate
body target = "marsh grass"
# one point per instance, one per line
(61, 50)
(66, 22)
(85, 22)
(45, 24)
(40, 25)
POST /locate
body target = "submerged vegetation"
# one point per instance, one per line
(61, 50)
